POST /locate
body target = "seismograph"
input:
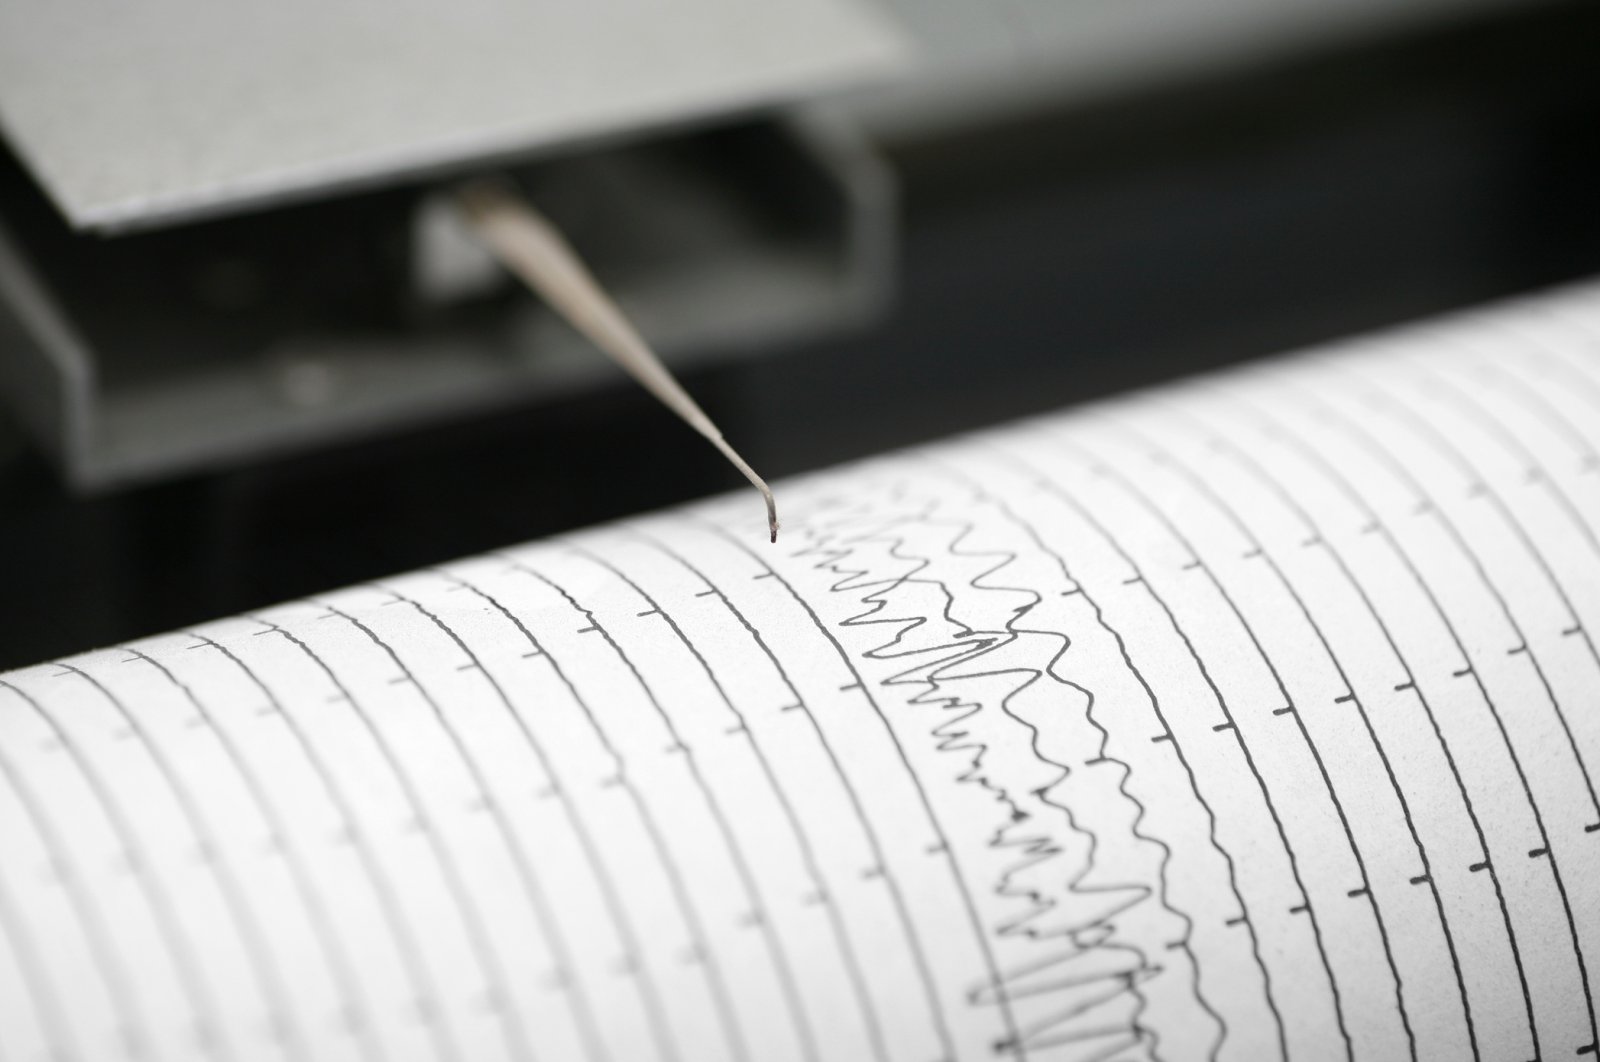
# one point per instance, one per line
(1248, 718)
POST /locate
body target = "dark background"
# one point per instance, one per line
(1046, 262)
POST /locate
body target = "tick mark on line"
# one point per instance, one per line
(871, 872)
(704, 593)
(1314, 540)
(1462, 673)
(847, 687)
(1283, 711)
(1586, 1049)
(1515, 649)
(1570, 631)
(649, 612)
(399, 680)
(532, 653)
(337, 697)
(764, 575)
(1251, 554)
(1074, 590)
(1399, 686)
(468, 666)
(1191, 566)
(1345, 699)
(1236, 920)
(1161, 737)
(937, 849)
(1593, 827)
(1175, 945)
(1535, 853)
(586, 630)
(1134, 579)
(1300, 908)
(791, 708)
(1484, 865)
(1353, 893)
(1420, 879)
(738, 728)
(1223, 726)
(676, 746)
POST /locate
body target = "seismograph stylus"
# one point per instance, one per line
(531, 247)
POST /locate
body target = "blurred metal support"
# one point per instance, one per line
(144, 355)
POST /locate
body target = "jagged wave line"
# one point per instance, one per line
(1097, 931)
(942, 669)
(1094, 933)
(1133, 669)
(1042, 1033)
(860, 579)
(931, 673)
(1123, 768)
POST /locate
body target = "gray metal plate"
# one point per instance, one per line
(145, 112)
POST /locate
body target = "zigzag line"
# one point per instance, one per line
(1125, 770)
(944, 664)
